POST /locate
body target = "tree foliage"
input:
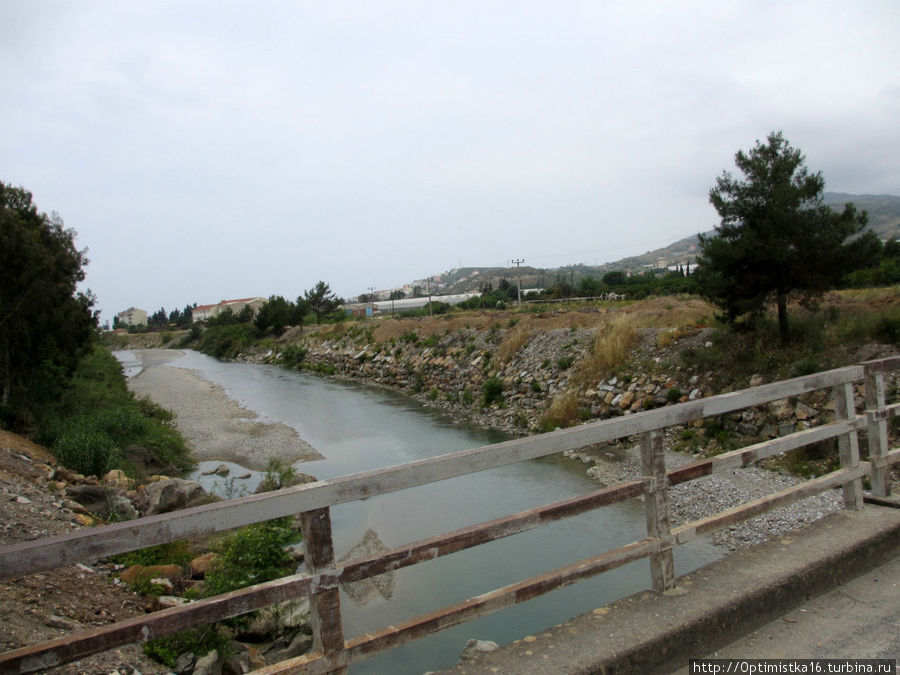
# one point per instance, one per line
(277, 314)
(776, 238)
(46, 324)
(321, 300)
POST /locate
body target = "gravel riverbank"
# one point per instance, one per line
(711, 494)
(215, 426)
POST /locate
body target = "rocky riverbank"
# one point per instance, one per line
(534, 370)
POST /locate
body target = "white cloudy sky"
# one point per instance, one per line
(218, 149)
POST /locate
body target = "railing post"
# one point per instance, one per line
(325, 604)
(848, 444)
(877, 432)
(656, 508)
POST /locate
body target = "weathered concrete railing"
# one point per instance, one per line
(332, 652)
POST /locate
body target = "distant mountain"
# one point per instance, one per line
(883, 210)
(884, 220)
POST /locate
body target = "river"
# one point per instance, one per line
(356, 428)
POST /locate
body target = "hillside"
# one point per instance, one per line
(884, 221)
(883, 210)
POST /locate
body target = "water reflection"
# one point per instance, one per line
(364, 591)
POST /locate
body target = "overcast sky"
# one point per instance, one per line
(206, 150)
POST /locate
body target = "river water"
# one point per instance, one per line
(357, 428)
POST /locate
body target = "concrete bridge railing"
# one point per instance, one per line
(333, 652)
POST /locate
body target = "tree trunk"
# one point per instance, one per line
(782, 315)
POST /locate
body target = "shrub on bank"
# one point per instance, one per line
(96, 418)
(226, 342)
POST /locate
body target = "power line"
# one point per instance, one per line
(517, 263)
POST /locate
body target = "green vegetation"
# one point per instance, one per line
(46, 324)
(252, 555)
(278, 475)
(816, 340)
(492, 390)
(292, 356)
(228, 340)
(92, 421)
(777, 239)
(198, 641)
(322, 301)
(173, 553)
(277, 314)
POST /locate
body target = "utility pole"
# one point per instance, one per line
(372, 300)
(428, 288)
(518, 277)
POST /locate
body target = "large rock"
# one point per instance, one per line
(201, 565)
(475, 648)
(103, 501)
(276, 620)
(167, 495)
(210, 664)
(144, 574)
(288, 648)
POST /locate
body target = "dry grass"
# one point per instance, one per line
(671, 311)
(668, 337)
(563, 411)
(515, 339)
(609, 350)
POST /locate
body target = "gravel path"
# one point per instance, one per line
(215, 426)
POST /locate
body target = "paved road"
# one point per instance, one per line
(860, 619)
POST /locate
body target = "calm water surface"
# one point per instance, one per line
(357, 428)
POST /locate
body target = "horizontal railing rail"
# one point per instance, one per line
(332, 653)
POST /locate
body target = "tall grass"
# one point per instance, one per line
(610, 349)
(514, 340)
(89, 427)
(563, 411)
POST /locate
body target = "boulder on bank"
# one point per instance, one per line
(475, 648)
(167, 495)
(102, 501)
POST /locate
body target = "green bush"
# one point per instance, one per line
(492, 390)
(226, 342)
(252, 555)
(198, 641)
(97, 417)
(173, 553)
(292, 356)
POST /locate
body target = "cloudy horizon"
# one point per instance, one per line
(208, 150)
